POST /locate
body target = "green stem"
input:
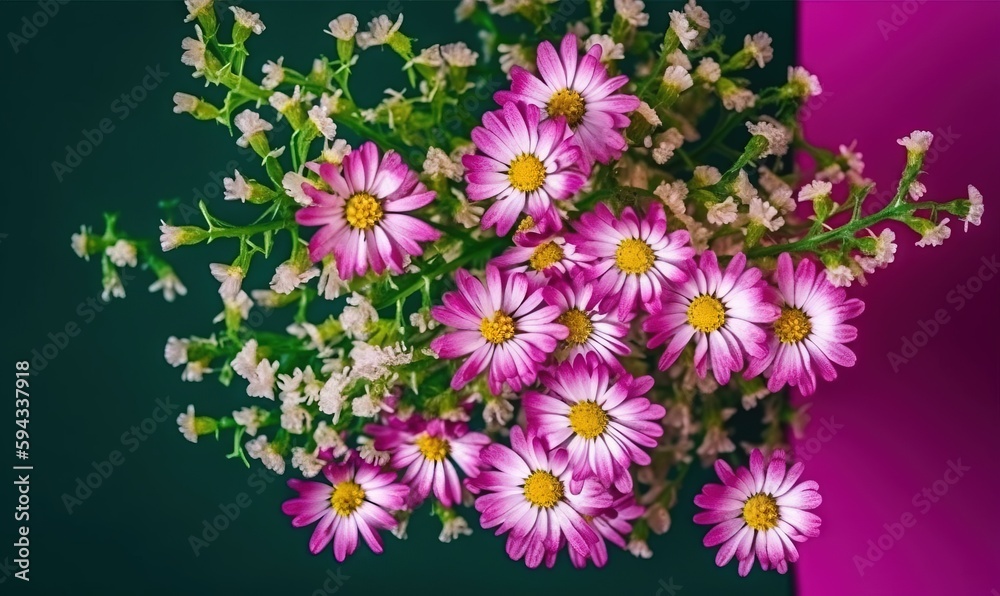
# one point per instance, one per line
(848, 230)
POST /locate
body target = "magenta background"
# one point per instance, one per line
(938, 70)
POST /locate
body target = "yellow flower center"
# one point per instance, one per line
(545, 256)
(706, 314)
(543, 489)
(526, 224)
(526, 173)
(497, 329)
(347, 497)
(569, 104)
(761, 512)
(792, 326)
(579, 326)
(363, 211)
(634, 256)
(433, 448)
(588, 419)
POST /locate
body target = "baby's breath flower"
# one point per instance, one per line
(306, 462)
(274, 73)
(176, 351)
(267, 453)
(290, 275)
(372, 455)
(917, 142)
(170, 285)
(357, 316)
(778, 137)
(380, 29)
(250, 20)
(803, 84)
(292, 183)
(648, 113)
(631, 11)
(610, 50)
(236, 188)
(335, 152)
(677, 78)
(708, 71)
(250, 123)
(453, 528)
(458, 55)
(705, 176)
(196, 8)
(113, 287)
(184, 103)
(722, 213)
(438, 163)
(697, 14)
(682, 27)
(250, 419)
(344, 27)
(935, 235)
(759, 46)
(917, 190)
(679, 58)
(330, 283)
(230, 278)
(323, 123)
(123, 254)
(515, 55)
(840, 276)
(764, 214)
(816, 189)
(975, 214)
(194, 53)
(735, 98)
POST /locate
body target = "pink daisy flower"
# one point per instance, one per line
(810, 333)
(356, 501)
(503, 324)
(603, 422)
(593, 327)
(759, 513)
(541, 257)
(723, 312)
(580, 91)
(363, 218)
(428, 452)
(611, 526)
(633, 258)
(527, 494)
(524, 165)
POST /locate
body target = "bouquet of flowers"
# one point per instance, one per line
(545, 299)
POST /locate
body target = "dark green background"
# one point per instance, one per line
(131, 535)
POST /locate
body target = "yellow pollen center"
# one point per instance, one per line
(347, 497)
(433, 448)
(569, 104)
(706, 314)
(792, 326)
(497, 329)
(363, 211)
(634, 256)
(526, 173)
(588, 419)
(545, 256)
(761, 512)
(579, 326)
(543, 489)
(526, 224)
